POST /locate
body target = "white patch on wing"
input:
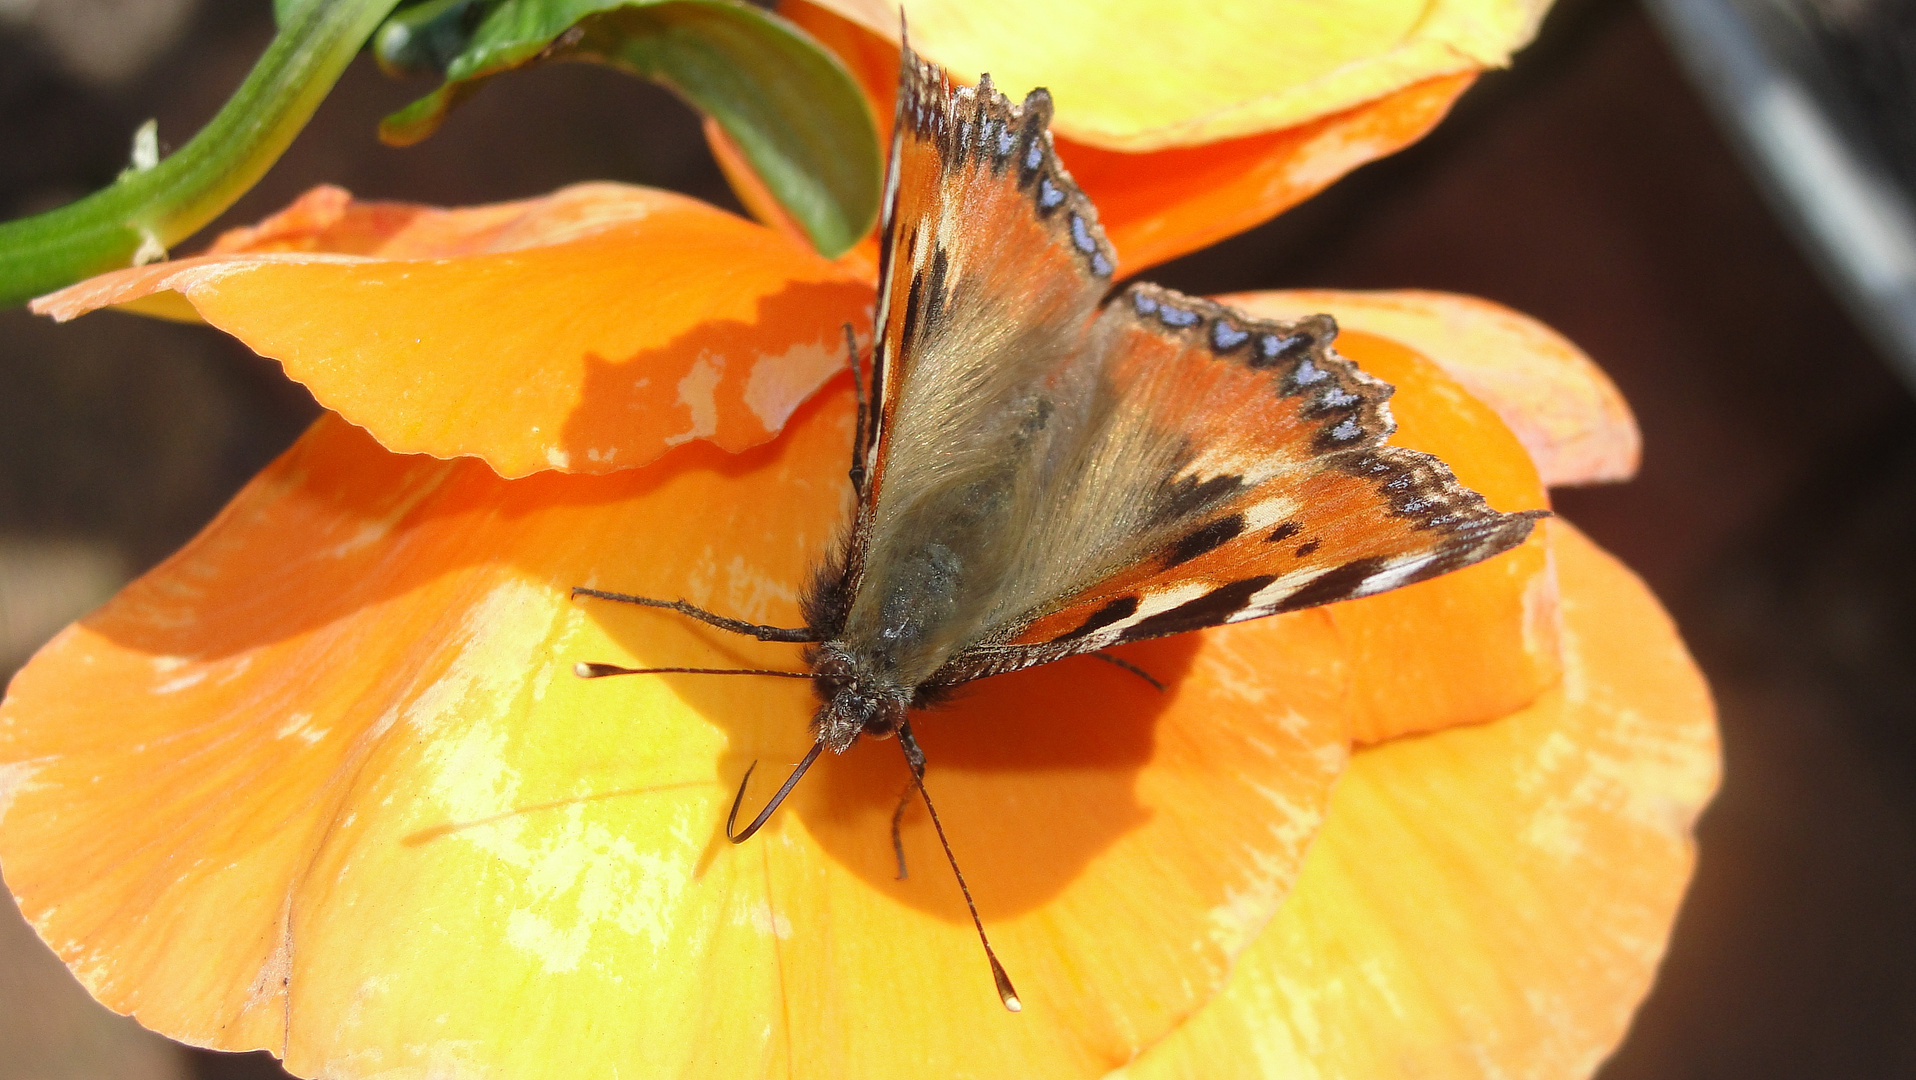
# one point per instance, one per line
(1266, 599)
(1395, 574)
(1269, 513)
(1165, 600)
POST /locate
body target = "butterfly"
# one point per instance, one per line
(1042, 472)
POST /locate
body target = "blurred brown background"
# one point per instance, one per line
(1775, 515)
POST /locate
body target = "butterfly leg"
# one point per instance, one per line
(915, 758)
(1130, 667)
(861, 424)
(897, 824)
(736, 626)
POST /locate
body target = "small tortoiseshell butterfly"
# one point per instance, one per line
(1041, 474)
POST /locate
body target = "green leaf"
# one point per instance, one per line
(155, 204)
(793, 110)
(426, 38)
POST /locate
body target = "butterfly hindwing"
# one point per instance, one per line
(1254, 456)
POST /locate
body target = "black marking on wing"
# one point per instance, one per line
(1284, 532)
(936, 294)
(1337, 583)
(1214, 607)
(1420, 487)
(1305, 549)
(1208, 538)
(1188, 496)
(1116, 611)
(914, 307)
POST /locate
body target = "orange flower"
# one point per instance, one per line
(322, 783)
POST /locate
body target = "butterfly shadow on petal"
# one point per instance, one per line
(1034, 775)
(733, 381)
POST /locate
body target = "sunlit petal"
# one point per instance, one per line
(324, 783)
(1474, 644)
(1146, 75)
(1157, 205)
(1490, 900)
(1564, 409)
(587, 331)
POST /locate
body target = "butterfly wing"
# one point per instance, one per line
(991, 266)
(1239, 471)
(1049, 478)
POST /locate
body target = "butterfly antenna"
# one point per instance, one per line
(599, 671)
(915, 758)
(765, 814)
(735, 626)
(858, 430)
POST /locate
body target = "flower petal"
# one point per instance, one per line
(1157, 205)
(1477, 643)
(1141, 75)
(588, 331)
(323, 783)
(1492, 900)
(1564, 409)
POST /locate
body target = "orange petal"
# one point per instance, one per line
(588, 331)
(1563, 408)
(1475, 644)
(1158, 205)
(1143, 75)
(1492, 900)
(324, 783)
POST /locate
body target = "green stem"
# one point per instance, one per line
(146, 211)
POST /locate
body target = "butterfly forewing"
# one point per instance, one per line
(991, 262)
(991, 272)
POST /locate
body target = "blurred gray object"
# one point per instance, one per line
(1820, 96)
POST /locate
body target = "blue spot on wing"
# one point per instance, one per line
(1081, 235)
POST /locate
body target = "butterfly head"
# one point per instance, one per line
(856, 701)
